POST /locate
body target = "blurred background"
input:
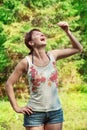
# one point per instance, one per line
(18, 17)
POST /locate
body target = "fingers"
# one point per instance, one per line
(24, 110)
(64, 26)
(63, 23)
(27, 110)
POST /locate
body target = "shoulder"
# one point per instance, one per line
(53, 53)
(22, 65)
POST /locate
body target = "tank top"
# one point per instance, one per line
(43, 85)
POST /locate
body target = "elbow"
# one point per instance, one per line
(81, 49)
(6, 88)
(7, 85)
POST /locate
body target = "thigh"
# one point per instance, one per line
(55, 117)
(36, 119)
(57, 126)
(35, 128)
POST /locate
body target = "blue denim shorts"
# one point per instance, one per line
(42, 118)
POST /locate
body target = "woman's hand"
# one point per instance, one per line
(24, 110)
(64, 25)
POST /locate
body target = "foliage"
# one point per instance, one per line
(1, 27)
(4, 61)
(19, 16)
(39, 4)
(6, 15)
(21, 13)
(7, 122)
(9, 4)
(83, 70)
(68, 71)
(3, 55)
(82, 11)
(2, 38)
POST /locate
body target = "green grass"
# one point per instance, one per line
(75, 111)
(74, 106)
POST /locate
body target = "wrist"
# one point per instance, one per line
(15, 107)
(68, 32)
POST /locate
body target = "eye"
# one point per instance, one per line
(37, 34)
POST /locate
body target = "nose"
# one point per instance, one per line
(42, 34)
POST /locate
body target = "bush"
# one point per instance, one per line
(83, 88)
(78, 87)
(9, 3)
(68, 75)
(6, 15)
(22, 13)
(1, 27)
(43, 3)
(4, 60)
(3, 38)
(83, 70)
(3, 54)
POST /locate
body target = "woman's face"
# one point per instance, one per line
(38, 38)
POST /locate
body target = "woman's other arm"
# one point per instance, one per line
(19, 70)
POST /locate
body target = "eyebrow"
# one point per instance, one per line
(39, 32)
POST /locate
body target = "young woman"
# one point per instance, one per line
(44, 110)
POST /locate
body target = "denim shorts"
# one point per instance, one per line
(42, 118)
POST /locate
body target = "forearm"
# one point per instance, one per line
(11, 96)
(10, 93)
(75, 43)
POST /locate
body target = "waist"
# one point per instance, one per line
(44, 104)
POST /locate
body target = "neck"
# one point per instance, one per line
(39, 53)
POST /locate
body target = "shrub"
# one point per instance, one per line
(69, 75)
(6, 15)
(2, 38)
(1, 27)
(9, 3)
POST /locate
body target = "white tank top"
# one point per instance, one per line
(43, 83)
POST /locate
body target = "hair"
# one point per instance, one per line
(28, 38)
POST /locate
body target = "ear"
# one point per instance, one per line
(31, 43)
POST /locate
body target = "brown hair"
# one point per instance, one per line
(28, 38)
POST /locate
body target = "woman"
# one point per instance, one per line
(44, 110)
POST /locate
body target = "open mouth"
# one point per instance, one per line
(42, 39)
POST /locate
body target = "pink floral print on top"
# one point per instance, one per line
(54, 75)
(37, 79)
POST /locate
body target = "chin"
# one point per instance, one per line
(44, 43)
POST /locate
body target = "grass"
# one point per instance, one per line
(74, 106)
(75, 111)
